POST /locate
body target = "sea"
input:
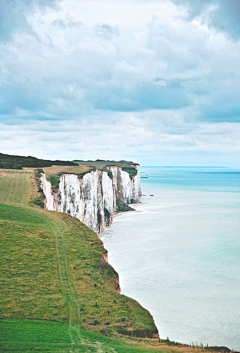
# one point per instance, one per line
(179, 254)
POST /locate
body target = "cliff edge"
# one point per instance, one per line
(92, 196)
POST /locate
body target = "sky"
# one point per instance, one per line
(152, 81)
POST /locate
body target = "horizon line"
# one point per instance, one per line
(182, 166)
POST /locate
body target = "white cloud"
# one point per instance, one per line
(120, 77)
(129, 136)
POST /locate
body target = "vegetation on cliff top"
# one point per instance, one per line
(101, 164)
(130, 170)
(18, 162)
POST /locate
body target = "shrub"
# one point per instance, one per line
(54, 181)
(123, 207)
(107, 215)
(130, 170)
(38, 202)
(104, 267)
(110, 175)
(121, 319)
(99, 217)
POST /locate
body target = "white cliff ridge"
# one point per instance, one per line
(92, 198)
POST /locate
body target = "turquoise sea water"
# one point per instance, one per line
(179, 256)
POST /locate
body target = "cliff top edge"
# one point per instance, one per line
(19, 162)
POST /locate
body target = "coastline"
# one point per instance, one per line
(105, 256)
(166, 341)
(121, 214)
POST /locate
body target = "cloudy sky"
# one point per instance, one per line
(153, 81)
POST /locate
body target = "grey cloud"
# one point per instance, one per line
(141, 136)
(76, 71)
(156, 87)
(224, 14)
(195, 7)
(11, 18)
(219, 114)
(106, 30)
(142, 97)
(67, 22)
(13, 15)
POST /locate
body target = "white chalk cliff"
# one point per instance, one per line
(92, 197)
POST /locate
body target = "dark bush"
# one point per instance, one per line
(107, 216)
(18, 162)
(99, 217)
(130, 170)
(54, 181)
(110, 175)
(104, 267)
(38, 202)
(123, 207)
(137, 332)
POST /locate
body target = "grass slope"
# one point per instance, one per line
(15, 186)
(24, 335)
(53, 269)
(57, 293)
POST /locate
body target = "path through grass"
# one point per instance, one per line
(57, 293)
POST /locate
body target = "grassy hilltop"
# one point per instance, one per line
(57, 292)
(18, 162)
(58, 167)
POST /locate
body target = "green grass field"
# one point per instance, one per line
(57, 293)
(15, 186)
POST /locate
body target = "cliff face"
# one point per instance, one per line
(126, 188)
(92, 198)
